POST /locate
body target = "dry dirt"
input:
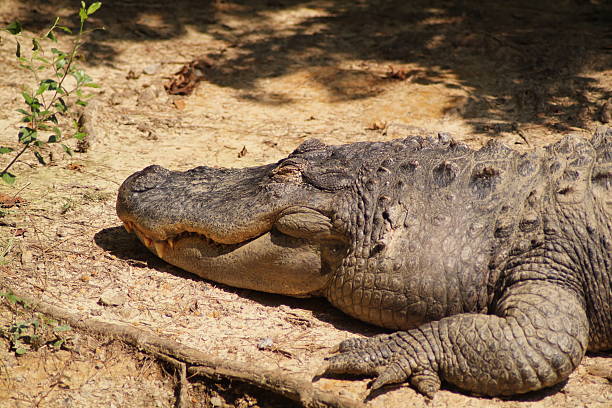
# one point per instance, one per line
(273, 73)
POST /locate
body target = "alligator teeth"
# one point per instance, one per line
(171, 243)
(128, 227)
(146, 240)
(160, 248)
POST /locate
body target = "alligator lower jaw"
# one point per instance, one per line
(161, 247)
(270, 262)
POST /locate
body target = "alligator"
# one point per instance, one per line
(494, 266)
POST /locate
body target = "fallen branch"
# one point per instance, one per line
(196, 362)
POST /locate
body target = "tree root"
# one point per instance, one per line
(187, 360)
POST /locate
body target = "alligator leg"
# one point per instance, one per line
(536, 338)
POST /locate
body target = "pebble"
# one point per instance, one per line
(265, 343)
(151, 69)
(112, 298)
(26, 257)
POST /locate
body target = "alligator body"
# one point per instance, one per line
(495, 266)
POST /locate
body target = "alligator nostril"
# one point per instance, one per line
(148, 178)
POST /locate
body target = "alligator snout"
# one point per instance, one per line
(147, 178)
(220, 224)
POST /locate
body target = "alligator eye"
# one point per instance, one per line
(334, 250)
(287, 173)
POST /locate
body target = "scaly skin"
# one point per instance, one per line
(496, 265)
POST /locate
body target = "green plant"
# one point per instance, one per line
(32, 333)
(51, 98)
(12, 298)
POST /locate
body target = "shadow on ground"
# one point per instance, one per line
(522, 62)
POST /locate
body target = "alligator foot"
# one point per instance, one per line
(391, 359)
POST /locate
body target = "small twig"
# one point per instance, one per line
(182, 391)
(25, 147)
(521, 134)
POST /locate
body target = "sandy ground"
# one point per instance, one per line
(273, 74)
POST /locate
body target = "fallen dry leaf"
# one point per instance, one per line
(186, 78)
(74, 166)
(7, 201)
(18, 232)
(397, 73)
(179, 104)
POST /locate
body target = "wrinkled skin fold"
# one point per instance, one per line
(495, 267)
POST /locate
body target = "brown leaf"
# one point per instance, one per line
(397, 73)
(179, 104)
(7, 201)
(186, 79)
(75, 167)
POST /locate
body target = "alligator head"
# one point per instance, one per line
(240, 227)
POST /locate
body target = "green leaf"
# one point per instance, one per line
(35, 44)
(67, 149)
(18, 51)
(4, 150)
(51, 36)
(47, 85)
(42, 88)
(93, 8)
(8, 178)
(62, 328)
(20, 351)
(80, 135)
(83, 14)
(27, 97)
(57, 132)
(59, 64)
(23, 111)
(80, 76)
(81, 103)
(14, 28)
(27, 135)
(66, 29)
(57, 344)
(11, 297)
(42, 59)
(61, 106)
(91, 85)
(58, 52)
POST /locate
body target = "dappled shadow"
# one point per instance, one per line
(520, 63)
